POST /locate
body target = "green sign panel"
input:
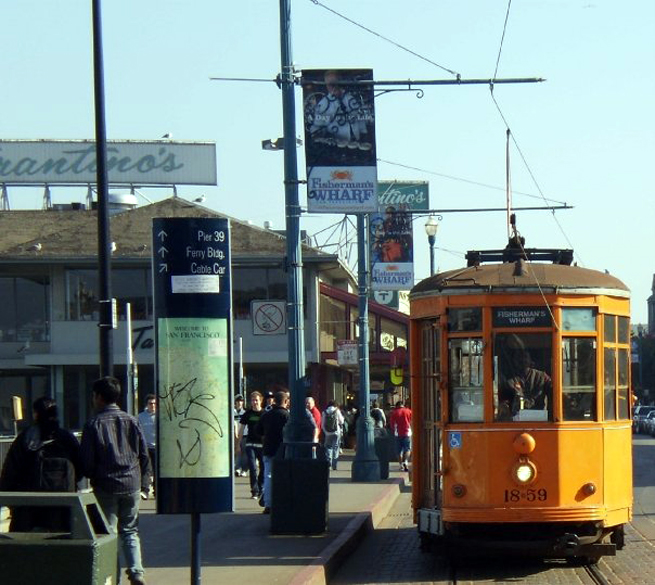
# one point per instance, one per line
(404, 195)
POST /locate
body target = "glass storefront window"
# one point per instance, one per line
(25, 308)
(466, 378)
(523, 387)
(392, 335)
(128, 285)
(579, 378)
(354, 328)
(332, 324)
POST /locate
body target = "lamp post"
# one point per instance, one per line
(431, 227)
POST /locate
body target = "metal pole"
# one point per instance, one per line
(132, 406)
(431, 242)
(104, 241)
(299, 427)
(195, 549)
(366, 466)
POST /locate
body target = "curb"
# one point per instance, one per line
(319, 571)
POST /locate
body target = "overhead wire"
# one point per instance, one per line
(394, 43)
(513, 137)
(469, 181)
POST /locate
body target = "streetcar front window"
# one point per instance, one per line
(579, 378)
(466, 375)
(523, 388)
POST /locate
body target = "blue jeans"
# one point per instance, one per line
(122, 512)
(255, 461)
(268, 483)
(332, 443)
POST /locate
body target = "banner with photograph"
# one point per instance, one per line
(340, 141)
(392, 249)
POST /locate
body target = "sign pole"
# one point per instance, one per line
(366, 466)
(195, 549)
(298, 429)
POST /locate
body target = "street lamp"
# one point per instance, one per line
(431, 227)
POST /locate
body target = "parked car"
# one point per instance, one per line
(648, 424)
(639, 417)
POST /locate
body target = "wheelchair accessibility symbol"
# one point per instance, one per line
(455, 440)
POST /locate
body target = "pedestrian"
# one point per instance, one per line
(310, 404)
(400, 422)
(148, 422)
(240, 463)
(43, 458)
(253, 443)
(269, 400)
(332, 424)
(271, 427)
(378, 416)
(115, 458)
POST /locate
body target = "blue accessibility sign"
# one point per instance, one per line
(455, 439)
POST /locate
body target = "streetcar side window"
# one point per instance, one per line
(610, 383)
(579, 378)
(465, 380)
(523, 388)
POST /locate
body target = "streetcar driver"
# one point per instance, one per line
(524, 387)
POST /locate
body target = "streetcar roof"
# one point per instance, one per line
(521, 276)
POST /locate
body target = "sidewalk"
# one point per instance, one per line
(239, 546)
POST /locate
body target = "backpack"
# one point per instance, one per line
(52, 473)
(331, 421)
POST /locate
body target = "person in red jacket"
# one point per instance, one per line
(400, 422)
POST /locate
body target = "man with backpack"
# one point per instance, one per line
(115, 459)
(43, 458)
(332, 425)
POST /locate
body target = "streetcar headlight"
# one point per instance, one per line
(525, 471)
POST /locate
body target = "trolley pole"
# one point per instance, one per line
(366, 466)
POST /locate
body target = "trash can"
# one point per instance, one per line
(300, 494)
(385, 451)
(85, 554)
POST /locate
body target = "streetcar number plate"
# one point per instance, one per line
(527, 495)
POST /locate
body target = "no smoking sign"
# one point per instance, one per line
(269, 317)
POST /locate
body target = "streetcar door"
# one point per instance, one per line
(431, 426)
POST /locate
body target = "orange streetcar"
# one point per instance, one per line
(521, 399)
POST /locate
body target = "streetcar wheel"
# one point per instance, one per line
(583, 560)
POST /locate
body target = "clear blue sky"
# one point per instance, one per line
(587, 133)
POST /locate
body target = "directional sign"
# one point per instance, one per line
(191, 268)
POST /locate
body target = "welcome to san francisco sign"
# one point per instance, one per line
(158, 162)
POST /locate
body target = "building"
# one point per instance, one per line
(49, 309)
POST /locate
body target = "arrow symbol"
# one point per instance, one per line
(162, 251)
(163, 268)
(162, 235)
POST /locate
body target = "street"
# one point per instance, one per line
(391, 554)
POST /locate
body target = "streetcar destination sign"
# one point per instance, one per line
(521, 317)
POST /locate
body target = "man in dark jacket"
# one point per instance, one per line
(270, 427)
(115, 458)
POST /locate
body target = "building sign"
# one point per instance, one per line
(191, 267)
(392, 250)
(340, 141)
(521, 317)
(408, 195)
(159, 162)
(269, 317)
(347, 352)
